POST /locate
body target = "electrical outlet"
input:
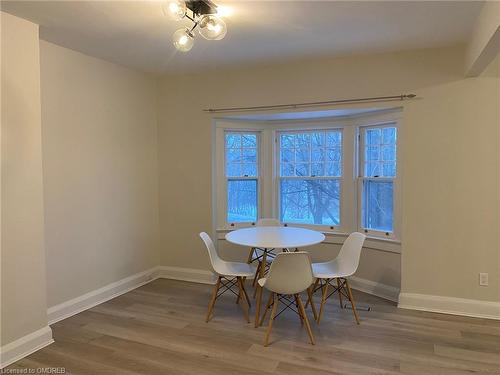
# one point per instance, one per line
(483, 279)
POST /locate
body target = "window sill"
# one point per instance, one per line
(338, 238)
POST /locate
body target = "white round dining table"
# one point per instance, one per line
(269, 238)
(275, 237)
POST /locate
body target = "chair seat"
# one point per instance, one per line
(237, 269)
(328, 270)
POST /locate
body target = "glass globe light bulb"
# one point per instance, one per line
(183, 40)
(212, 27)
(176, 9)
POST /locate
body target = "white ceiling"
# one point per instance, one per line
(138, 35)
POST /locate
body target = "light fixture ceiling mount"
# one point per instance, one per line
(203, 14)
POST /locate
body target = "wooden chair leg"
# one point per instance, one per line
(250, 255)
(306, 321)
(310, 300)
(323, 299)
(271, 319)
(315, 285)
(242, 293)
(339, 286)
(268, 305)
(212, 300)
(239, 291)
(298, 309)
(245, 291)
(256, 277)
(351, 298)
(259, 292)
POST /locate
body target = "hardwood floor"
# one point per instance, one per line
(160, 329)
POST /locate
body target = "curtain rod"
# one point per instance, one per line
(299, 105)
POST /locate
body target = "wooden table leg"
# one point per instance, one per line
(259, 290)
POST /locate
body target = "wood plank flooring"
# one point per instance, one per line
(160, 329)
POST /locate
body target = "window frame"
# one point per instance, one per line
(278, 178)
(258, 178)
(360, 178)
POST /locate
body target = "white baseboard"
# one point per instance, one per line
(388, 292)
(25, 345)
(186, 274)
(88, 300)
(450, 305)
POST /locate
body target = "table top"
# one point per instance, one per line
(275, 237)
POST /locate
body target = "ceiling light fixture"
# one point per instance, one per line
(204, 14)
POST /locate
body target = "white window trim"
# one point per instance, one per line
(395, 234)
(277, 150)
(269, 179)
(258, 177)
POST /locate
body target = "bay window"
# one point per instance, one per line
(335, 175)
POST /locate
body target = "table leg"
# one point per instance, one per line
(259, 290)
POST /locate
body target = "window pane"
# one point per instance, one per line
(310, 201)
(318, 154)
(288, 169)
(389, 152)
(233, 140)
(287, 141)
(241, 200)
(249, 155)
(249, 170)
(334, 139)
(249, 140)
(317, 169)
(318, 139)
(333, 169)
(233, 155)
(302, 155)
(373, 137)
(389, 169)
(378, 205)
(372, 169)
(372, 153)
(233, 169)
(287, 155)
(333, 154)
(303, 140)
(302, 170)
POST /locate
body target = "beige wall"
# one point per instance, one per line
(99, 134)
(449, 154)
(23, 287)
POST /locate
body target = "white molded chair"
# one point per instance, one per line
(339, 270)
(256, 254)
(289, 275)
(230, 274)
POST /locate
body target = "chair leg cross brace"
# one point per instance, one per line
(228, 283)
(273, 302)
(342, 288)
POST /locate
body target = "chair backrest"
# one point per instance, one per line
(215, 260)
(268, 223)
(290, 273)
(348, 258)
